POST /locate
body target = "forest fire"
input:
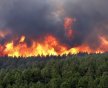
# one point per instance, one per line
(49, 45)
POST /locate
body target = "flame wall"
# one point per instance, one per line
(76, 26)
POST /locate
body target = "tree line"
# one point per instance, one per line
(88, 71)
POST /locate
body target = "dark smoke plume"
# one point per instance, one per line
(37, 18)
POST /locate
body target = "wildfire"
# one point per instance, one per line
(49, 45)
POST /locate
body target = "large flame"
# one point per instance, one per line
(49, 45)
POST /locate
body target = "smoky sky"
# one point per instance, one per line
(34, 18)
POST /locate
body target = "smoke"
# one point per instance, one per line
(38, 18)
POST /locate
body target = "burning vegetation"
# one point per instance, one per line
(49, 45)
(53, 27)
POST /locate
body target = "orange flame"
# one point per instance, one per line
(50, 46)
(22, 39)
(68, 23)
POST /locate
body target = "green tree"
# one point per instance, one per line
(55, 83)
(103, 81)
(83, 82)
